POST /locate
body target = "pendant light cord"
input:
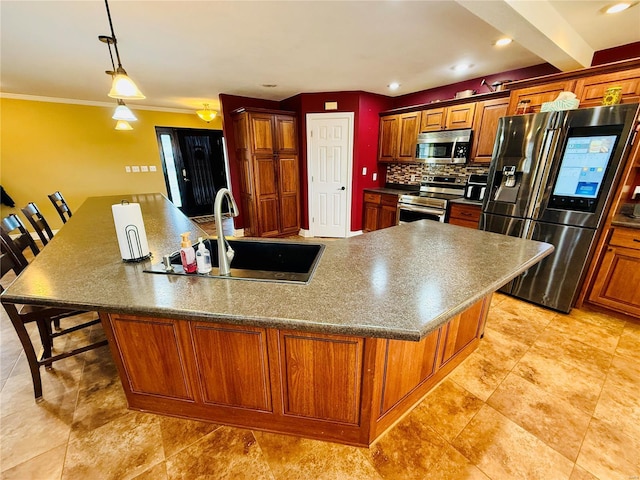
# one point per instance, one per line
(113, 36)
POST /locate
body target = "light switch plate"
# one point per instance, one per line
(144, 168)
(135, 168)
(127, 169)
(152, 168)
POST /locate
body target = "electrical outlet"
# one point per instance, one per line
(364, 170)
(375, 176)
(127, 169)
(135, 168)
(413, 178)
(152, 168)
(144, 168)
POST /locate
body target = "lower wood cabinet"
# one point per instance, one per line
(380, 210)
(617, 280)
(342, 388)
(465, 215)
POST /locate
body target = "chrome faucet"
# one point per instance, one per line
(225, 255)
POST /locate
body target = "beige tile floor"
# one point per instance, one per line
(545, 396)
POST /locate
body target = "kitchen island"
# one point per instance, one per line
(385, 317)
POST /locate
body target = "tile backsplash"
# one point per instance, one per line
(402, 173)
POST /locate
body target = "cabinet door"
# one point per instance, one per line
(388, 142)
(232, 365)
(388, 211)
(261, 133)
(409, 125)
(432, 119)
(539, 95)
(286, 137)
(462, 330)
(370, 219)
(153, 356)
(618, 277)
(460, 116)
(590, 90)
(266, 195)
(485, 126)
(289, 194)
(321, 376)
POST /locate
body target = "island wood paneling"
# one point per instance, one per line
(322, 376)
(232, 365)
(339, 388)
(152, 356)
(406, 366)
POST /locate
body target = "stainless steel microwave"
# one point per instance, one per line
(444, 147)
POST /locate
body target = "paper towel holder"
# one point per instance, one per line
(133, 241)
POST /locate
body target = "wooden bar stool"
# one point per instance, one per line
(61, 206)
(21, 315)
(38, 222)
(12, 225)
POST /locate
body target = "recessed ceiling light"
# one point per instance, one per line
(393, 86)
(461, 67)
(618, 7)
(503, 41)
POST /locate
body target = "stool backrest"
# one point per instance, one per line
(61, 206)
(12, 225)
(38, 222)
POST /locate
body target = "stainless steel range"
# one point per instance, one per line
(432, 201)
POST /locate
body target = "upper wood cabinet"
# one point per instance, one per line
(590, 90)
(267, 149)
(448, 118)
(485, 126)
(398, 135)
(539, 94)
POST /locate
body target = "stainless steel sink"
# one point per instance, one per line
(259, 260)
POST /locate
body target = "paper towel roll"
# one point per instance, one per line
(132, 237)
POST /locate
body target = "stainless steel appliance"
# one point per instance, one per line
(476, 187)
(431, 201)
(550, 179)
(444, 147)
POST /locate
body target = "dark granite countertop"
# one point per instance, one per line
(465, 201)
(624, 218)
(394, 190)
(401, 282)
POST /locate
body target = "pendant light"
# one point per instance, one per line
(123, 125)
(207, 114)
(123, 113)
(122, 86)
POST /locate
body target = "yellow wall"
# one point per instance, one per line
(74, 149)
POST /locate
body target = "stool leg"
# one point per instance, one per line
(29, 351)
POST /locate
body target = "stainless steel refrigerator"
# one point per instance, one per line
(551, 179)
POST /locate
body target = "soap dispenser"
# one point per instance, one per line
(203, 257)
(187, 254)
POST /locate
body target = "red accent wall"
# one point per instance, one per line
(448, 92)
(366, 107)
(616, 54)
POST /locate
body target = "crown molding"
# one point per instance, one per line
(89, 103)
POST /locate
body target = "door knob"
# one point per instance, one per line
(343, 188)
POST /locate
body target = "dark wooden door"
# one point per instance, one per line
(194, 167)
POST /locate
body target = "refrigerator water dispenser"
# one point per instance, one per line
(509, 186)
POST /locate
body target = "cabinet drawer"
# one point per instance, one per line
(626, 237)
(372, 197)
(391, 200)
(465, 212)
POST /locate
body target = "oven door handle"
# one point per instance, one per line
(420, 209)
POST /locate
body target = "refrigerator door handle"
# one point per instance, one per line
(550, 142)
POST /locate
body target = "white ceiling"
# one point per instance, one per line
(184, 53)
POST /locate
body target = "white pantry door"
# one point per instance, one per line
(329, 167)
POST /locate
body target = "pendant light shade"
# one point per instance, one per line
(123, 113)
(124, 87)
(123, 125)
(207, 114)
